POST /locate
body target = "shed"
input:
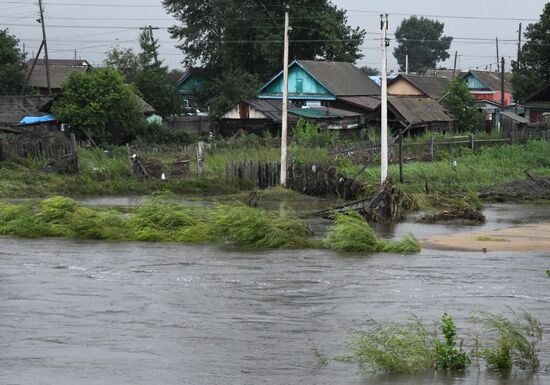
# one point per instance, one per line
(537, 105)
(14, 108)
(420, 86)
(511, 123)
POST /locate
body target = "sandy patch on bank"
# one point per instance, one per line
(532, 237)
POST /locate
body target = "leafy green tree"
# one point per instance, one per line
(422, 39)
(460, 103)
(98, 104)
(533, 68)
(12, 70)
(370, 71)
(222, 36)
(124, 60)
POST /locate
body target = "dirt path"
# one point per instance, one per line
(532, 237)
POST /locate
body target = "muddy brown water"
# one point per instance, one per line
(84, 312)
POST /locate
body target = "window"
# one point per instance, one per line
(299, 86)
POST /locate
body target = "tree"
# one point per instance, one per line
(533, 68)
(460, 103)
(12, 70)
(98, 104)
(124, 60)
(370, 71)
(422, 39)
(223, 36)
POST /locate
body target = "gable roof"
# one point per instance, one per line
(13, 108)
(411, 108)
(443, 73)
(430, 86)
(492, 79)
(366, 102)
(339, 78)
(60, 69)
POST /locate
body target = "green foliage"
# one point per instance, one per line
(125, 61)
(352, 233)
(533, 68)
(460, 103)
(12, 60)
(156, 133)
(99, 104)
(309, 134)
(393, 347)
(370, 71)
(244, 225)
(548, 273)
(448, 356)
(422, 39)
(320, 27)
(513, 341)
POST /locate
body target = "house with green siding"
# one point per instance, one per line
(188, 84)
(314, 83)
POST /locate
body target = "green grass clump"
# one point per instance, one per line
(548, 273)
(245, 225)
(20, 220)
(353, 233)
(394, 347)
(512, 342)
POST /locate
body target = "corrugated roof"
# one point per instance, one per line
(513, 116)
(492, 79)
(13, 108)
(411, 108)
(443, 73)
(60, 70)
(342, 79)
(431, 86)
(367, 102)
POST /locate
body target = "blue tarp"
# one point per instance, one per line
(37, 119)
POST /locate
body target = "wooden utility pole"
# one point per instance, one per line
(454, 67)
(45, 43)
(384, 105)
(284, 130)
(32, 68)
(498, 57)
(150, 28)
(519, 42)
(407, 64)
(502, 89)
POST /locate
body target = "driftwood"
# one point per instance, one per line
(152, 168)
(67, 164)
(454, 213)
(384, 206)
(534, 187)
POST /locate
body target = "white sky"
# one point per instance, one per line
(93, 27)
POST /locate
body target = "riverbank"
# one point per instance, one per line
(530, 237)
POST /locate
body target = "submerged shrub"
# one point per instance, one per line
(512, 342)
(245, 225)
(448, 356)
(393, 347)
(20, 220)
(353, 233)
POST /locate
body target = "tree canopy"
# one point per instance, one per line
(148, 74)
(12, 61)
(533, 68)
(460, 103)
(422, 39)
(222, 36)
(99, 104)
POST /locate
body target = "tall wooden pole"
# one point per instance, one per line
(502, 89)
(284, 131)
(498, 57)
(44, 40)
(519, 42)
(384, 104)
(454, 67)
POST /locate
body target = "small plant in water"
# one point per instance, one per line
(548, 273)
(448, 356)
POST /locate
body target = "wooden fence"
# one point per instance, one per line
(311, 179)
(41, 147)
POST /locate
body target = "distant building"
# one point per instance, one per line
(419, 86)
(188, 84)
(486, 85)
(537, 105)
(14, 108)
(60, 69)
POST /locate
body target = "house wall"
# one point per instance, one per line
(474, 83)
(301, 85)
(402, 87)
(493, 96)
(235, 113)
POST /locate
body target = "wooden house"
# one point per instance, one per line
(418, 86)
(421, 112)
(14, 108)
(313, 83)
(537, 105)
(60, 69)
(188, 84)
(486, 85)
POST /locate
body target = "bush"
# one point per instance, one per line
(156, 133)
(310, 135)
(448, 356)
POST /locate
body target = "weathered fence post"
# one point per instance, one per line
(200, 158)
(472, 141)
(432, 148)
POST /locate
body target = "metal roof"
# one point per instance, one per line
(431, 86)
(513, 116)
(410, 108)
(323, 113)
(342, 79)
(367, 102)
(492, 79)
(60, 69)
(13, 108)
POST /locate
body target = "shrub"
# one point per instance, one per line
(310, 135)
(448, 356)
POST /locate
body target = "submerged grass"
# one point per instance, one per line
(352, 233)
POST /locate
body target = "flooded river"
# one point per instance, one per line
(82, 312)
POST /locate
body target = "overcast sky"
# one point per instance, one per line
(92, 28)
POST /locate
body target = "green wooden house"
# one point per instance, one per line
(320, 83)
(188, 84)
